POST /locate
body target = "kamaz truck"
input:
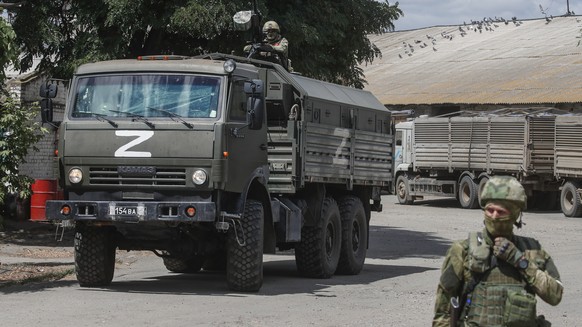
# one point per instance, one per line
(454, 156)
(213, 161)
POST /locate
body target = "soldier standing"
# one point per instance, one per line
(492, 278)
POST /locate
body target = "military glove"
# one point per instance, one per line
(505, 250)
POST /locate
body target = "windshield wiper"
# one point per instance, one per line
(135, 117)
(172, 116)
(101, 117)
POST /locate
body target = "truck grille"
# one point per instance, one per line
(163, 176)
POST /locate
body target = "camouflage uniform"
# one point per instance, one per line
(500, 292)
(275, 40)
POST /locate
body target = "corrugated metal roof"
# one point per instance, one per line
(528, 63)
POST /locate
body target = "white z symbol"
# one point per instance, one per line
(142, 136)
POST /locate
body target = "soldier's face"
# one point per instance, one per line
(495, 210)
(271, 34)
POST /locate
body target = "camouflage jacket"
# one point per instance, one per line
(540, 277)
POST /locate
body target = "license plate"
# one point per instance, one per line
(116, 210)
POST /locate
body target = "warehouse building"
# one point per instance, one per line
(480, 65)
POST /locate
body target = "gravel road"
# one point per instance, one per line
(396, 287)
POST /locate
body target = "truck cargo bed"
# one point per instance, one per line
(492, 144)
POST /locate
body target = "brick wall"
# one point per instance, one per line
(41, 164)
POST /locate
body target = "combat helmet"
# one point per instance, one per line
(503, 188)
(271, 26)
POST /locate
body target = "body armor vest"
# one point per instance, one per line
(499, 295)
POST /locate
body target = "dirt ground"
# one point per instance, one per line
(30, 251)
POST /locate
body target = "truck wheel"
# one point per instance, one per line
(570, 200)
(182, 265)
(468, 193)
(94, 256)
(354, 236)
(318, 253)
(244, 266)
(402, 190)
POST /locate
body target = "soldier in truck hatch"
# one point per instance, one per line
(275, 47)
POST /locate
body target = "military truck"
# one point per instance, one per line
(568, 163)
(213, 161)
(455, 156)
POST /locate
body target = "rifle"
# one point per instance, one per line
(455, 311)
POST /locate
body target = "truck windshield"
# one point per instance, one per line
(149, 95)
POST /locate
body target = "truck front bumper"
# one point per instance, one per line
(126, 211)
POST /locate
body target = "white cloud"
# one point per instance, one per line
(425, 13)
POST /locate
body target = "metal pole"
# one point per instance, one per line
(568, 7)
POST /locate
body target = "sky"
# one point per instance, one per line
(426, 13)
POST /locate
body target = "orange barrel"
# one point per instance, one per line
(42, 190)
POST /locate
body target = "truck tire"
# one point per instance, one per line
(318, 253)
(354, 236)
(94, 256)
(468, 190)
(244, 265)
(570, 200)
(183, 265)
(403, 190)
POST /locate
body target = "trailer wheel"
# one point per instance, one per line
(354, 236)
(403, 190)
(570, 200)
(468, 190)
(244, 266)
(183, 265)
(94, 256)
(318, 253)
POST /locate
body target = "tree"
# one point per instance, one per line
(18, 134)
(327, 37)
(8, 50)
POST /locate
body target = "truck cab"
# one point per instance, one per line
(403, 146)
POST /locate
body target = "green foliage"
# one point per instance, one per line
(8, 50)
(327, 37)
(18, 134)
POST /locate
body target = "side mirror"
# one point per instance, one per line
(46, 110)
(255, 107)
(255, 113)
(48, 90)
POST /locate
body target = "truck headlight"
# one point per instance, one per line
(229, 66)
(199, 177)
(75, 175)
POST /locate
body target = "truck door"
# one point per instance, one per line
(247, 149)
(403, 145)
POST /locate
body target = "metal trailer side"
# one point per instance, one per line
(568, 163)
(515, 145)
